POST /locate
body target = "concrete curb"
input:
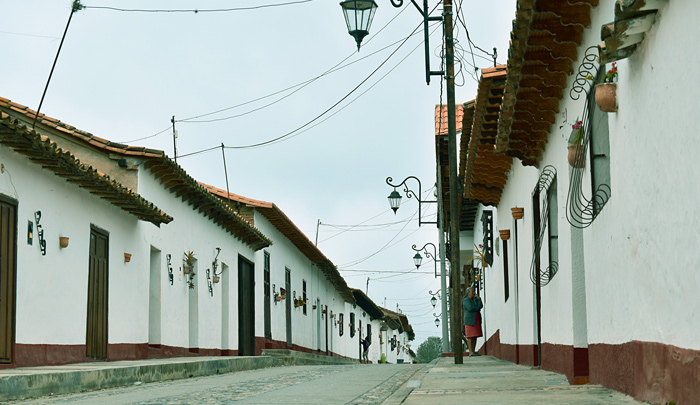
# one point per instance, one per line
(295, 358)
(72, 378)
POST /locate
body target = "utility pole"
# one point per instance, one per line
(455, 267)
(443, 269)
(174, 139)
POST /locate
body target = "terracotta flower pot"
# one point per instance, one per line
(127, 257)
(216, 279)
(574, 150)
(505, 234)
(278, 298)
(517, 212)
(186, 269)
(63, 241)
(606, 96)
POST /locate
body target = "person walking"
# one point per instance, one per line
(472, 319)
(365, 349)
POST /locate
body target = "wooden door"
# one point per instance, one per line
(98, 273)
(8, 271)
(246, 308)
(288, 304)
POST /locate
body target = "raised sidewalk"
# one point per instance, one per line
(30, 382)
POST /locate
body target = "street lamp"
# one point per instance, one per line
(433, 301)
(437, 322)
(395, 197)
(358, 17)
(418, 259)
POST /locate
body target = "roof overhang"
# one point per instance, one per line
(544, 45)
(285, 225)
(367, 304)
(41, 150)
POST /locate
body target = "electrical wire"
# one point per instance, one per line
(197, 10)
(333, 69)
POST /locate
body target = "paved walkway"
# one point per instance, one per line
(265, 379)
(488, 380)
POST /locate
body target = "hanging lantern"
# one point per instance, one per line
(394, 200)
(434, 302)
(358, 17)
(417, 260)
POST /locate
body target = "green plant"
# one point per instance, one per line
(609, 77)
(576, 137)
(189, 258)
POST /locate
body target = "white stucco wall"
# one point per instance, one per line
(190, 231)
(51, 298)
(642, 251)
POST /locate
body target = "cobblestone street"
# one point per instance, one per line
(340, 384)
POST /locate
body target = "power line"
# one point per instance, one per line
(197, 10)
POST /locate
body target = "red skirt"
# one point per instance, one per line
(471, 331)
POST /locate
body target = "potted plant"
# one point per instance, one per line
(517, 212)
(576, 145)
(216, 279)
(283, 293)
(606, 91)
(188, 260)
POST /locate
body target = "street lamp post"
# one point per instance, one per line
(451, 145)
(395, 198)
(418, 259)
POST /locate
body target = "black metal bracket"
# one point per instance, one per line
(581, 211)
(211, 288)
(428, 254)
(40, 233)
(547, 177)
(426, 18)
(410, 193)
(170, 268)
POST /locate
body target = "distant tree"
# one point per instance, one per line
(429, 350)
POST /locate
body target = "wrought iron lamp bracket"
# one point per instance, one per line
(432, 255)
(426, 18)
(411, 194)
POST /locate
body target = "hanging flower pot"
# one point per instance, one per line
(517, 212)
(216, 279)
(278, 298)
(187, 269)
(606, 96)
(63, 241)
(574, 151)
(505, 234)
(127, 257)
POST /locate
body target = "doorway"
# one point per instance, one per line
(246, 307)
(98, 273)
(8, 272)
(288, 304)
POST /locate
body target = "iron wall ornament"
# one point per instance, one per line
(547, 178)
(211, 289)
(580, 210)
(40, 233)
(170, 268)
(487, 227)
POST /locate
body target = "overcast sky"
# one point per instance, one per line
(123, 75)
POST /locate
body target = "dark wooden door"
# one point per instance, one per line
(246, 308)
(8, 270)
(98, 273)
(288, 304)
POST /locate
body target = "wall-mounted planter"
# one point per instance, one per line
(606, 96)
(187, 269)
(517, 212)
(575, 150)
(216, 279)
(127, 257)
(63, 241)
(505, 234)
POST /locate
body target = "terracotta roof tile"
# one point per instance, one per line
(285, 225)
(544, 44)
(184, 186)
(41, 150)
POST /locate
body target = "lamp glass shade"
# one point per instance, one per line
(394, 200)
(433, 301)
(417, 260)
(358, 17)
(437, 322)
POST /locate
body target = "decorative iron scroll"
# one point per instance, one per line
(581, 211)
(549, 173)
